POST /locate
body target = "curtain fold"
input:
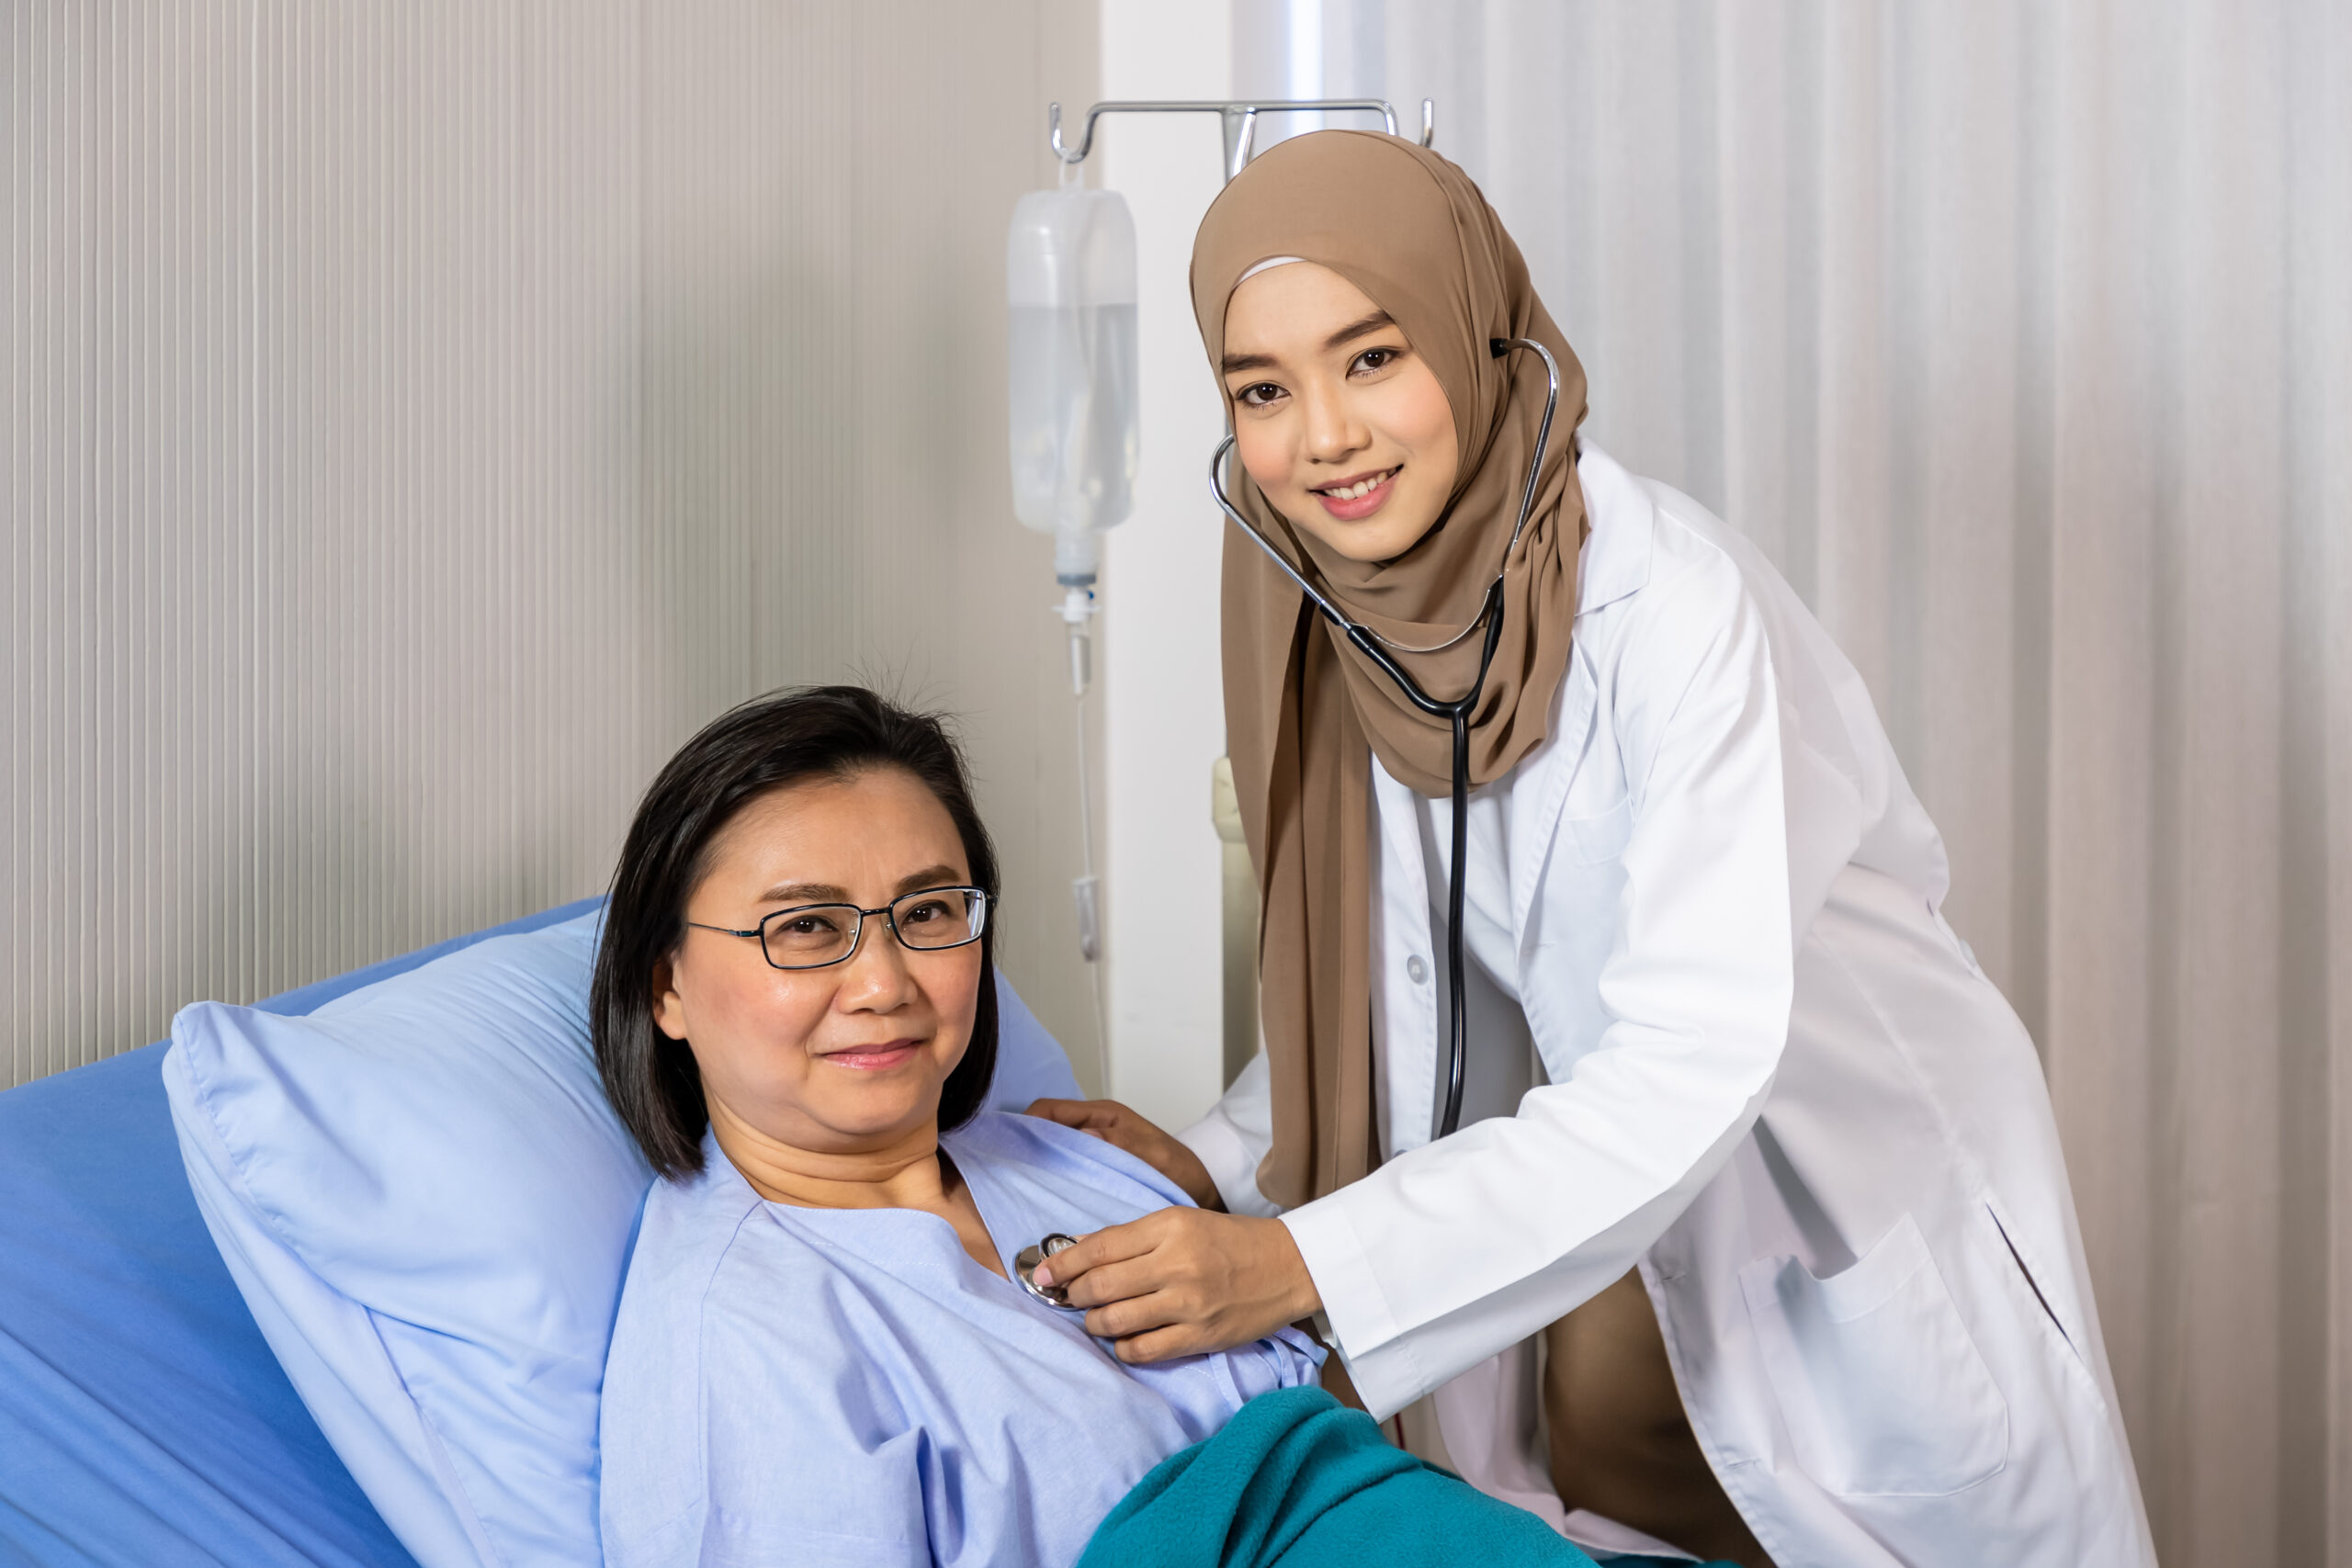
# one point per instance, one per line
(2020, 335)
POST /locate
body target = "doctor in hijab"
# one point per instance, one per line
(1754, 1241)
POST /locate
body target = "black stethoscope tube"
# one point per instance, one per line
(1455, 713)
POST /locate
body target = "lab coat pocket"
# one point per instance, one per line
(1601, 836)
(1883, 1392)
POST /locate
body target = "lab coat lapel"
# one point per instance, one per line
(1615, 562)
(1537, 803)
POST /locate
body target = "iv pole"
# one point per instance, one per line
(1239, 117)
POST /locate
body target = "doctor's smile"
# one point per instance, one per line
(1353, 500)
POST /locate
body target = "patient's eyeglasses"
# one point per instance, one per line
(811, 936)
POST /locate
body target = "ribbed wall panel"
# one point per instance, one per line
(419, 418)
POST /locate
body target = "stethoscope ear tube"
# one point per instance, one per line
(1457, 713)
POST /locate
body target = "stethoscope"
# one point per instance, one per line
(1024, 1270)
(1456, 713)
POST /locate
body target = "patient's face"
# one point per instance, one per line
(846, 1059)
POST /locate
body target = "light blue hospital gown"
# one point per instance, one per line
(818, 1386)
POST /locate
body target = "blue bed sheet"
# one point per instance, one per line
(143, 1420)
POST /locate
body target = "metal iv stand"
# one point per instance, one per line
(1240, 895)
(1241, 117)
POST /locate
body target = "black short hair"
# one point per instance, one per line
(770, 743)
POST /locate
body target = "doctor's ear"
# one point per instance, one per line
(669, 1010)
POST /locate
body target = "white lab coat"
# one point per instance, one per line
(1765, 1071)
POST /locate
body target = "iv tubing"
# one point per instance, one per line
(1076, 607)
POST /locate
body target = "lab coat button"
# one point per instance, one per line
(1417, 969)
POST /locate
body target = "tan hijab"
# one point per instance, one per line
(1414, 234)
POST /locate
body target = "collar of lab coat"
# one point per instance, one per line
(1616, 563)
(1617, 556)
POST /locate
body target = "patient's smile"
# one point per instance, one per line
(873, 1058)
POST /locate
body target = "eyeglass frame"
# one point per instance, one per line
(857, 935)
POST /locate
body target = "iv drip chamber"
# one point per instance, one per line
(1070, 264)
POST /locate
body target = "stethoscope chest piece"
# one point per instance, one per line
(1025, 1266)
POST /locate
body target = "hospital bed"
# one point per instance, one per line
(143, 1417)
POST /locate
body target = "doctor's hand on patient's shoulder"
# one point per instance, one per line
(1185, 1283)
(1122, 1129)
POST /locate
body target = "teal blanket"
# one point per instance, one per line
(1298, 1478)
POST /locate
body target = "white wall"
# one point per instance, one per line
(1165, 723)
(415, 420)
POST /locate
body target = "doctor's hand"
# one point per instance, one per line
(1185, 1283)
(1122, 1129)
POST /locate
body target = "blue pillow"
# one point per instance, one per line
(427, 1204)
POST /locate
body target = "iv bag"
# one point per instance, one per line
(1069, 264)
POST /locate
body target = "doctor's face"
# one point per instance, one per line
(1341, 424)
(845, 1059)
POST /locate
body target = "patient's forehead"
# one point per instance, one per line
(858, 838)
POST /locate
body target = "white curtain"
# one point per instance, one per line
(2021, 334)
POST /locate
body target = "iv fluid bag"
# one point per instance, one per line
(1070, 280)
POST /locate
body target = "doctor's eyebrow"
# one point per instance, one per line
(1354, 330)
(1345, 335)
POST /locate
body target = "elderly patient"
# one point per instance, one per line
(821, 1356)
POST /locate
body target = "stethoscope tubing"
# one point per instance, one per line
(1455, 713)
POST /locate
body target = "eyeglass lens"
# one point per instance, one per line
(827, 933)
